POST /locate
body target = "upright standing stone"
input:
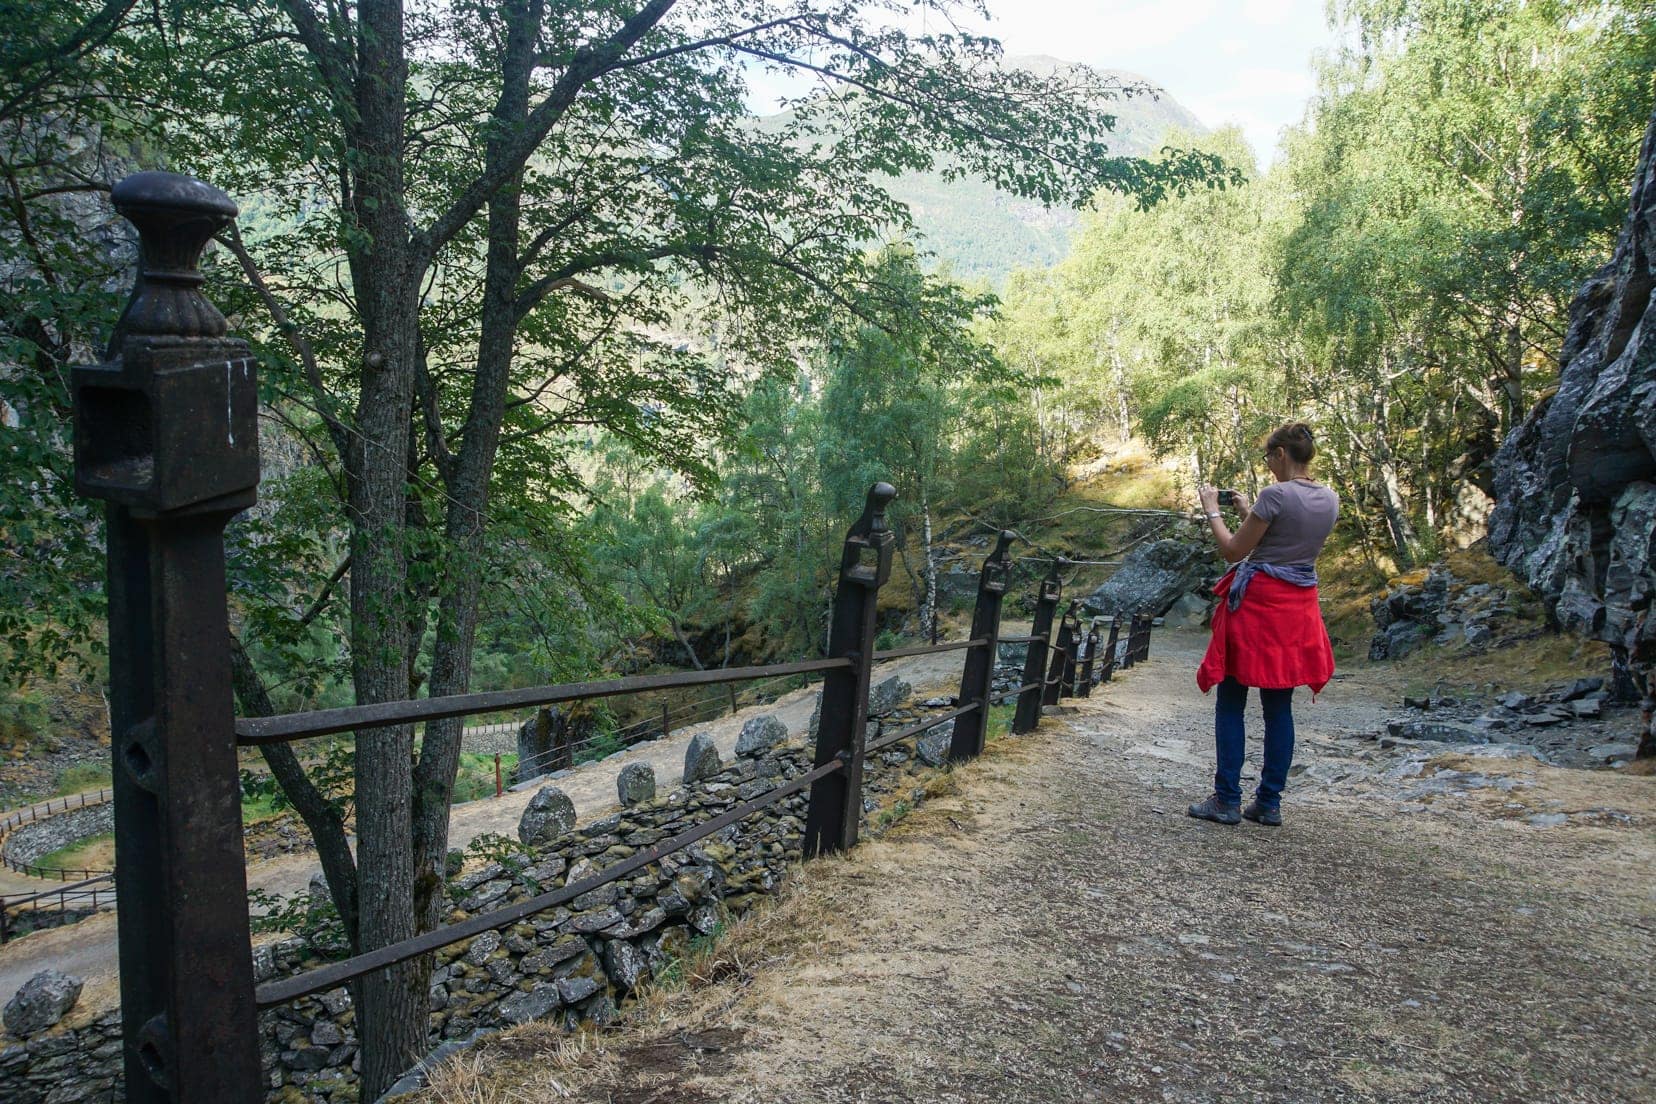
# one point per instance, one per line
(759, 735)
(635, 784)
(701, 758)
(549, 814)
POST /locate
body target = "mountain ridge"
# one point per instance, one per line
(978, 233)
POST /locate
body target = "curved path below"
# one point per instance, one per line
(1056, 930)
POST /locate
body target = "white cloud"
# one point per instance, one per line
(1233, 46)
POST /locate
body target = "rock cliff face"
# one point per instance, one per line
(1575, 484)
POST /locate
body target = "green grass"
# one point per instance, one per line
(676, 971)
(259, 808)
(95, 853)
(82, 776)
(1000, 719)
(892, 815)
(476, 777)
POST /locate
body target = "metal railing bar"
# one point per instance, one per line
(13, 902)
(931, 649)
(253, 731)
(1024, 689)
(327, 977)
(915, 729)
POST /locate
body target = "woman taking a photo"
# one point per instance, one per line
(1268, 630)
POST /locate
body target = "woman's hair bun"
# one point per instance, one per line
(1295, 439)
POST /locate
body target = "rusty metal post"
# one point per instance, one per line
(1084, 682)
(1054, 689)
(1110, 648)
(1066, 688)
(166, 433)
(1136, 640)
(865, 564)
(977, 677)
(1028, 714)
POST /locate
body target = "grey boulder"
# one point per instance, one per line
(888, 695)
(1153, 577)
(42, 1001)
(933, 748)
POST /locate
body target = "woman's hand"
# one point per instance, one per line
(1208, 495)
(1242, 503)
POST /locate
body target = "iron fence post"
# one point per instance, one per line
(865, 565)
(1084, 683)
(1066, 688)
(1054, 688)
(977, 677)
(1028, 714)
(1110, 647)
(166, 433)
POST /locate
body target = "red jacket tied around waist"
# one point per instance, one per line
(1274, 640)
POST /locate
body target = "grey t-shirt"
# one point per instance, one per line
(1300, 515)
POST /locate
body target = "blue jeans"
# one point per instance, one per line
(1232, 696)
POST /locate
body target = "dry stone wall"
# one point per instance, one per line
(32, 841)
(569, 965)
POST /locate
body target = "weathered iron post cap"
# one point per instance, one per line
(880, 495)
(176, 217)
(170, 422)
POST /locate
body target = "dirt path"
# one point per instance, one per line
(1056, 930)
(87, 949)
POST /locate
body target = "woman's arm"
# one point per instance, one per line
(1235, 546)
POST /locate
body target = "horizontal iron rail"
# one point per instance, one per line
(253, 731)
(13, 902)
(930, 649)
(1026, 687)
(915, 729)
(327, 977)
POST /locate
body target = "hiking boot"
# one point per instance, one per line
(1268, 815)
(1222, 812)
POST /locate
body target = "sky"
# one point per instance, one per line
(1246, 62)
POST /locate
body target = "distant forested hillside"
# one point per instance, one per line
(980, 233)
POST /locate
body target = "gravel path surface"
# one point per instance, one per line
(1056, 930)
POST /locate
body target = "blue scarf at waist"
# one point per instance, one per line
(1301, 575)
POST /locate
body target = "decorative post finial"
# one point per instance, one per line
(176, 216)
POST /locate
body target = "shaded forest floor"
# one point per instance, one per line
(1051, 927)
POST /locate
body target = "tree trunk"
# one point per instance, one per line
(929, 620)
(392, 1017)
(467, 478)
(326, 826)
(1392, 502)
